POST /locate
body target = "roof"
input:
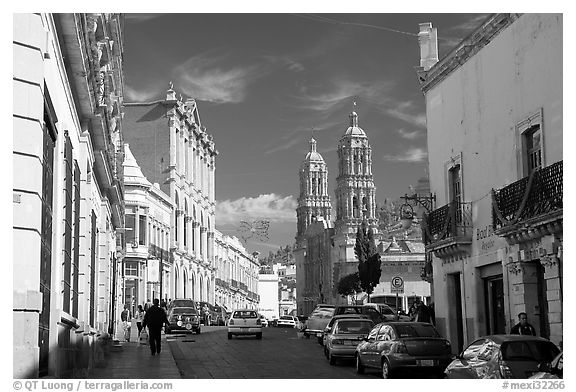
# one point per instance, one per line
(499, 339)
(132, 173)
(354, 129)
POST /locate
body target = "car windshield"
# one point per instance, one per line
(287, 318)
(353, 327)
(183, 311)
(529, 349)
(416, 331)
(349, 310)
(322, 313)
(386, 310)
(245, 314)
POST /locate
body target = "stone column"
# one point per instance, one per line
(552, 275)
(210, 247)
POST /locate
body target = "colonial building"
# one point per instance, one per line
(148, 212)
(237, 274)
(494, 119)
(68, 199)
(174, 150)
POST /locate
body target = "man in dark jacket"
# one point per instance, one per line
(154, 319)
(523, 328)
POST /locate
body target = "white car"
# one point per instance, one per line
(288, 321)
(245, 322)
(263, 321)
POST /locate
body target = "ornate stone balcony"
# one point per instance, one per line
(530, 207)
(447, 230)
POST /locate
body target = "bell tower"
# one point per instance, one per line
(313, 201)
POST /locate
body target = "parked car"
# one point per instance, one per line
(183, 319)
(182, 303)
(388, 313)
(370, 311)
(502, 356)
(245, 322)
(396, 345)
(318, 320)
(288, 321)
(263, 320)
(550, 369)
(344, 336)
(333, 320)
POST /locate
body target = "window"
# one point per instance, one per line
(142, 230)
(130, 228)
(533, 148)
(473, 350)
(131, 268)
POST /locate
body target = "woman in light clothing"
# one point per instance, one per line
(139, 316)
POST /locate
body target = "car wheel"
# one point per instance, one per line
(229, 336)
(359, 366)
(385, 369)
(320, 341)
(198, 331)
(167, 331)
(259, 335)
(331, 359)
(325, 352)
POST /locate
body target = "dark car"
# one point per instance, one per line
(502, 356)
(368, 310)
(181, 303)
(394, 346)
(183, 319)
(552, 369)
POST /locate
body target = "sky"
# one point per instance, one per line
(266, 83)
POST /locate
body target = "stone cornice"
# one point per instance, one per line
(465, 50)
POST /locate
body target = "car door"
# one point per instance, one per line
(384, 341)
(367, 348)
(466, 365)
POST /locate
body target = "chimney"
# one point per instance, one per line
(428, 45)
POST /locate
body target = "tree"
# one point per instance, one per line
(369, 270)
(349, 285)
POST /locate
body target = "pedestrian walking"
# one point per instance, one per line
(154, 319)
(126, 318)
(139, 317)
(523, 327)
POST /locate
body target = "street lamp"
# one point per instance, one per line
(407, 211)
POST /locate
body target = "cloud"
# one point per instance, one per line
(141, 18)
(410, 135)
(133, 95)
(405, 111)
(328, 97)
(298, 135)
(285, 61)
(414, 154)
(204, 77)
(470, 24)
(272, 207)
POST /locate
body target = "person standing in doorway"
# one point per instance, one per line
(126, 317)
(154, 319)
(139, 317)
(523, 328)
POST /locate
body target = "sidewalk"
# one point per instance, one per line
(132, 360)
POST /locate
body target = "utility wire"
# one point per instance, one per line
(324, 19)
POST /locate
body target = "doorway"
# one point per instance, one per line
(455, 308)
(494, 300)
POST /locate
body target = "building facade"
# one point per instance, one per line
(68, 199)
(494, 118)
(174, 150)
(237, 274)
(147, 215)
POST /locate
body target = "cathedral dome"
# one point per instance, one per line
(354, 129)
(313, 155)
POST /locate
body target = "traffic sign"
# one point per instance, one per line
(397, 285)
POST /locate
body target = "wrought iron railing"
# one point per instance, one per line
(539, 193)
(454, 220)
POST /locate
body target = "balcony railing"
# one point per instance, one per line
(454, 220)
(156, 251)
(534, 196)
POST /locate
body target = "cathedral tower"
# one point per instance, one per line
(314, 200)
(355, 190)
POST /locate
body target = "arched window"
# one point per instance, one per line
(193, 229)
(186, 222)
(176, 218)
(355, 207)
